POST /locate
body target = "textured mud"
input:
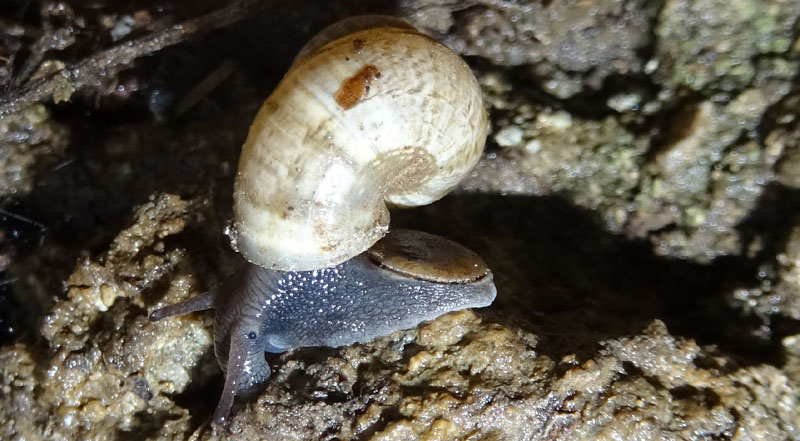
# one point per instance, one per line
(638, 202)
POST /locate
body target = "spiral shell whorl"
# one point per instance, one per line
(383, 115)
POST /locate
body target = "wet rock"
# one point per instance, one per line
(788, 169)
(777, 295)
(105, 369)
(557, 39)
(684, 189)
(483, 380)
(709, 45)
(783, 142)
(785, 296)
(25, 137)
(704, 179)
(596, 162)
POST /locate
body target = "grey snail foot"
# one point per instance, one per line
(407, 278)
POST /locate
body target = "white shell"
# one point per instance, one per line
(382, 115)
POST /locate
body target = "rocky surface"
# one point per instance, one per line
(638, 202)
(568, 46)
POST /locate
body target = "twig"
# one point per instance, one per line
(205, 87)
(64, 82)
(19, 217)
(4, 282)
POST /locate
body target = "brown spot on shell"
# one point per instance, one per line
(354, 88)
(428, 257)
(358, 45)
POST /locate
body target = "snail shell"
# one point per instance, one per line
(380, 116)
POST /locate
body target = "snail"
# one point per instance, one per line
(372, 113)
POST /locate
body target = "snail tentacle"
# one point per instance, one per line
(200, 303)
(237, 355)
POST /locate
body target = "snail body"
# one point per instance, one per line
(378, 116)
(406, 278)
